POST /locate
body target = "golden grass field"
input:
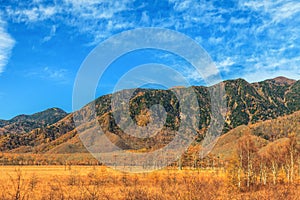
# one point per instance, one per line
(98, 182)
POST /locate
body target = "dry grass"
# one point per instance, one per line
(82, 182)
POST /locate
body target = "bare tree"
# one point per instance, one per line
(247, 152)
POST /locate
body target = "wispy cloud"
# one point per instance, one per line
(184, 68)
(83, 15)
(263, 74)
(224, 65)
(278, 10)
(34, 14)
(57, 75)
(252, 34)
(6, 45)
(51, 34)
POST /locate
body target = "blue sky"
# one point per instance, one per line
(43, 43)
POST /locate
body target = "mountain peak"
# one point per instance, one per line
(25, 123)
(283, 80)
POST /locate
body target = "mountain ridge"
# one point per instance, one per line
(25, 123)
(276, 79)
(248, 103)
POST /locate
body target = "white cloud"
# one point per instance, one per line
(35, 14)
(182, 5)
(264, 74)
(57, 75)
(234, 20)
(273, 63)
(215, 40)
(270, 67)
(85, 15)
(225, 64)
(145, 18)
(278, 10)
(183, 67)
(192, 75)
(94, 9)
(6, 45)
(254, 34)
(286, 11)
(51, 34)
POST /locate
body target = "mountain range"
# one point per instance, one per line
(25, 123)
(250, 106)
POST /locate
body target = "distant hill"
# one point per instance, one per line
(266, 134)
(248, 103)
(25, 123)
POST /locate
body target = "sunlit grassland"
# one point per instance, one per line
(99, 182)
